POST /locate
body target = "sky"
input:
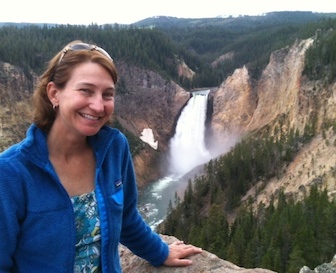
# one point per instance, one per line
(130, 11)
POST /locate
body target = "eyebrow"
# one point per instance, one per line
(111, 88)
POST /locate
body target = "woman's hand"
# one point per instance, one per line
(178, 251)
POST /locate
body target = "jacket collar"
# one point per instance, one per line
(36, 149)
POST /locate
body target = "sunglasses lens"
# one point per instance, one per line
(84, 46)
(80, 46)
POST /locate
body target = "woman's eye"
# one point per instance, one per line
(87, 91)
(109, 95)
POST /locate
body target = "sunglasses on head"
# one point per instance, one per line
(83, 46)
(77, 47)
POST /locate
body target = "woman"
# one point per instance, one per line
(68, 194)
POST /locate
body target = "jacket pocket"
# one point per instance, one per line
(118, 197)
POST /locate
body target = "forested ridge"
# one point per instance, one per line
(279, 237)
(250, 39)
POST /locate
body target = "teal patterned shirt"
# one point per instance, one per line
(88, 241)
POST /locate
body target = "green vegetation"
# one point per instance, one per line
(281, 237)
(248, 41)
(251, 38)
(321, 58)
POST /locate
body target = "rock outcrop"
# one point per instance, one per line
(323, 268)
(15, 91)
(279, 86)
(242, 105)
(205, 262)
(234, 104)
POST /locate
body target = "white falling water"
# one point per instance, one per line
(187, 147)
(187, 150)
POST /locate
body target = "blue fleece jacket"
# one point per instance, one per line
(37, 225)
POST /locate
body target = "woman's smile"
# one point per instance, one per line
(90, 117)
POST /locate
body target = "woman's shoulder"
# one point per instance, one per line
(10, 153)
(9, 159)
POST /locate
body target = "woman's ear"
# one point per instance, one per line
(52, 92)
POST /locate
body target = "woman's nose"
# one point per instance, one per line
(97, 104)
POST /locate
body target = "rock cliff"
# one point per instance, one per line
(234, 103)
(15, 91)
(279, 87)
(242, 105)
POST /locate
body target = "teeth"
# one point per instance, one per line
(89, 117)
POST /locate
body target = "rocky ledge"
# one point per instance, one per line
(205, 262)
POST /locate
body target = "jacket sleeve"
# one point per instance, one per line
(136, 234)
(11, 211)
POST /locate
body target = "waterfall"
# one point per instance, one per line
(187, 150)
(187, 147)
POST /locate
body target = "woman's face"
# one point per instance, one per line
(87, 101)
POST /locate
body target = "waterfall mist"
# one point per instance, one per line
(187, 147)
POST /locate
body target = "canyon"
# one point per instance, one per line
(283, 97)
